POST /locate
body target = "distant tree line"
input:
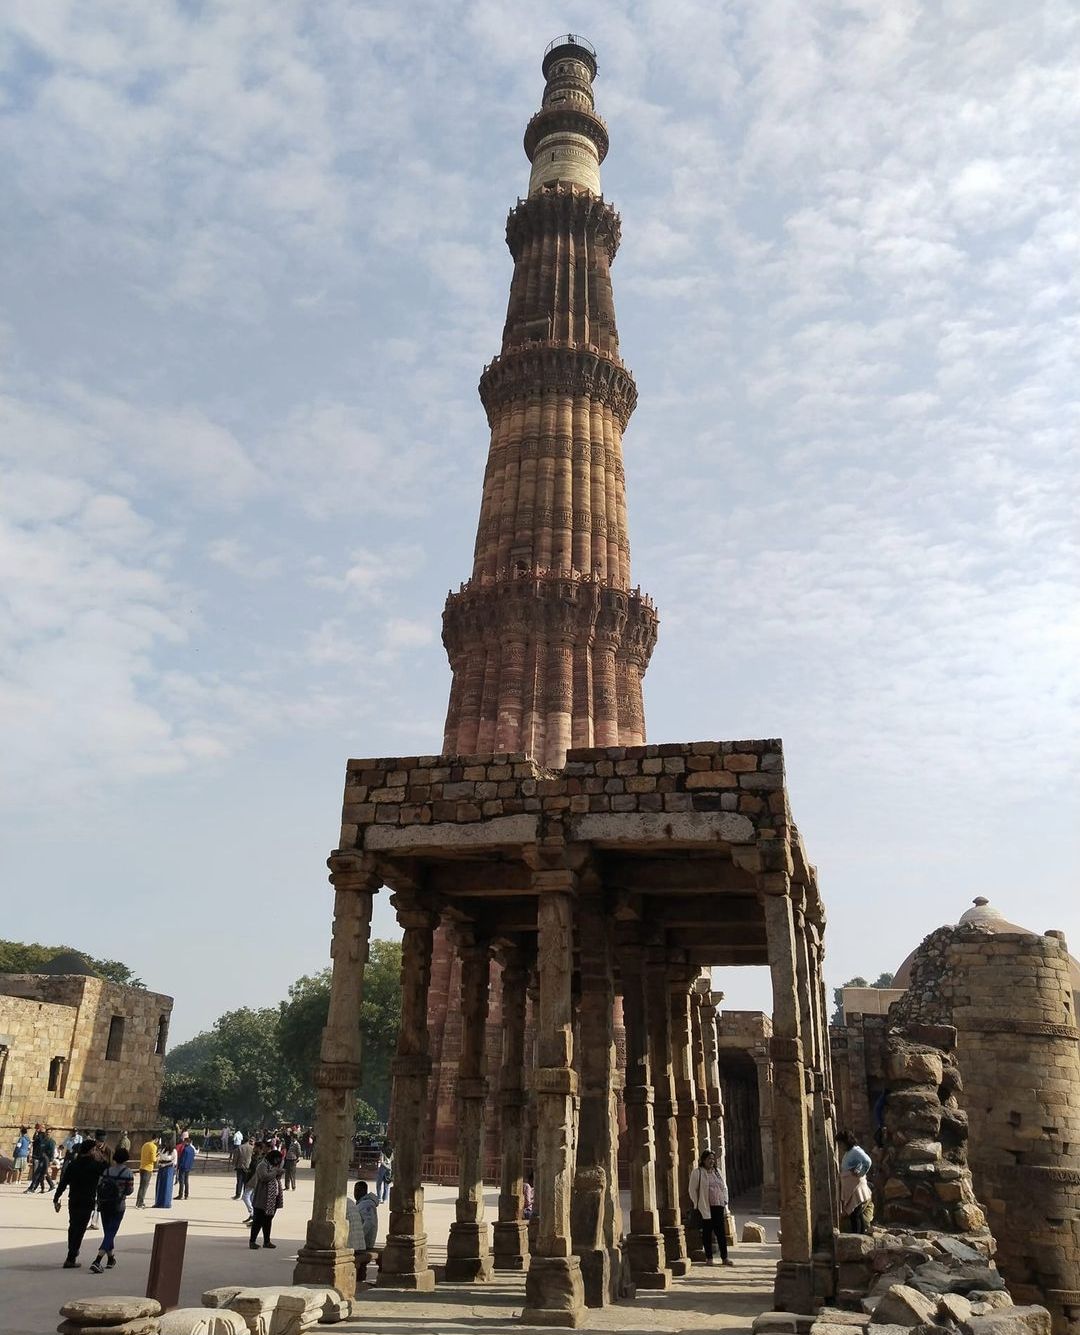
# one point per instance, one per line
(256, 1067)
(23, 957)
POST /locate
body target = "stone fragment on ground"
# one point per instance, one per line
(202, 1321)
(836, 1316)
(904, 1306)
(109, 1311)
(220, 1297)
(954, 1308)
(775, 1323)
(752, 1232)
(147, 1325)
(988, 1300)
(1010, 1321)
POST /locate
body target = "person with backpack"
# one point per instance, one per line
(292, 1156)
(114, 1186)
(80, 1179)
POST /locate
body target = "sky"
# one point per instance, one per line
(252, 266)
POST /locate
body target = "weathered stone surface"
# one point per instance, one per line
(335, 1307)
(1010, 1321)
(140, 1326)
(202, 1321)
(775, 1323)
(988, 1300)
(109, 1311)
(752, 1232)
(220, 1297)
(835, 1316)
(852, 1246)
(904, 1306)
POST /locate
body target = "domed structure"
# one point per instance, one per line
(983, 914)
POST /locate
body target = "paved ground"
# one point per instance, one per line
(33, 1245)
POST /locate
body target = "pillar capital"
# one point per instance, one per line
(774, 883)
(414, 911)
(350, 870)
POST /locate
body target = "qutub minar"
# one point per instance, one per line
(550, 864)
(547, 641)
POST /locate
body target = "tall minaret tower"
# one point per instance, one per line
(548, 641)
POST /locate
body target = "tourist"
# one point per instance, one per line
(259, 1151)
(266, 1199)
(147, 1163)
(384, 1173)
(854, 1187)
(80, 1179)
(124, 1143)
(292, 1155)
(528, 1197)
(166, 1171)
(709, 1196)
(114, 1186)
(362, 1213)
(21, 1154)
(185, 1162)
(237, 1140)
(42, 1152)
(242, 1161)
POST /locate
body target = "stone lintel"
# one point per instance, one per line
(498, 832)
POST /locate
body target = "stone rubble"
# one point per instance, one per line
(110, 1316)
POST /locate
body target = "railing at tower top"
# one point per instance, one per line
(571, 39)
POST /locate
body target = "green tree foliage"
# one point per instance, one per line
(23, 957)
(256, 1067)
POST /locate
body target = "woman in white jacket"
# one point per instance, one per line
(709, 1195)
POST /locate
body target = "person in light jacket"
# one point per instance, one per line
(709, 1195)
(854, 1187)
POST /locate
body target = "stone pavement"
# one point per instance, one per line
(33, 1285)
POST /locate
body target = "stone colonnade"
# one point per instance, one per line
(582, 959)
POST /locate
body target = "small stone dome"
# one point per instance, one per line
(983, 914)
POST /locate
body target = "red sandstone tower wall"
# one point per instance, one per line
(547, 640)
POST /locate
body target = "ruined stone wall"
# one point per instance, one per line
(1011, 1002)
(71, 1017)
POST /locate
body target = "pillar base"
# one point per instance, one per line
(676, 1251)
(596, 1276)
(332, 1268)
(468, 1255)
(648, 1263)
(794, 1288)
(510, 1245)
(404, 1265)
(554, 1293)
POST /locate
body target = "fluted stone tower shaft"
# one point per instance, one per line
(548, 641)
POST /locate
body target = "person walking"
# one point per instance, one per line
(267, 1198)
(384, 1173)
(292, 1156)
(79, 1179)
(114, 1186)
(124, 1143)
(185, 1162)
(709, 1196)
(147, 1163)
(259, 1151)
(42, 1150)
(854, 1187)
(243, 1166)
(21, 1154)
(166, 1171)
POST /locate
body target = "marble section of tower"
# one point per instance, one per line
(548, 641)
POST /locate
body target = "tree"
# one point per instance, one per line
(188, 1058)
(24, 957)
(883, 980)
(303, 1018)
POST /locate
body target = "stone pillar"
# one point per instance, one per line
(511, 1249)
(595, 1214)
(794, 1275)
(770, 1189)
(468, 1251)
(644, 1242)
(554, 1294)
(404, 1257)
(823, 1217)
(326, 1258)
(658, 1007)
(701, 1080)
(685, 1120)
(709, 1000)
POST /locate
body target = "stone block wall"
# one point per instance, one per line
(46, 1016)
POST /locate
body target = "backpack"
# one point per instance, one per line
(110, 1189)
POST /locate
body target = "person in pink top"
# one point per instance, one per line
(709, 1195)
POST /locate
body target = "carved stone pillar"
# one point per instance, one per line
(595, 1215)
(554, 1294)
(823, 1216)
(717, 1139)
(770, 1190)
(325, 1257)
(701, 1079)
(404, 1257)
(511, 1246)
(667, 1143)
(794, 1275)
(644, 1242)
(685, 1120)
(468, 1251)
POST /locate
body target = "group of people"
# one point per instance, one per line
(171, 1161)
(95, 1181)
